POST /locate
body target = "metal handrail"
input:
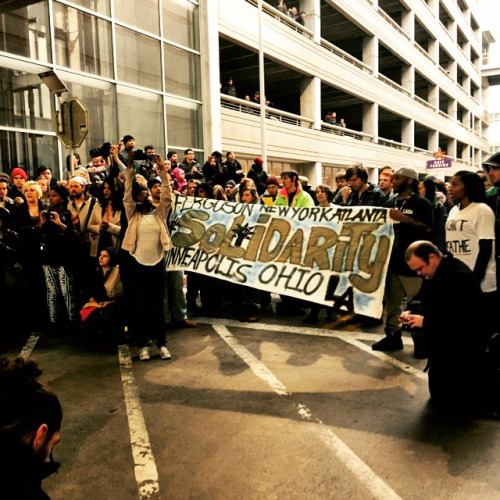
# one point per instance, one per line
(344, 131)
(243, 106)
(345, 55)
(423, 102)
(393, 84)
(283, 18)
(393, 144)
(393, 23)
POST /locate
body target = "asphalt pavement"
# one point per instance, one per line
(269, 410)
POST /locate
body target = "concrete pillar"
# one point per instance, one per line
(434, 6)
(408, 133)
(373, 175)
(452, 69)
(210, 78)
(408, 78)
(408, 22)
(433, 141)
(434, 96)
(452, 148)
(370, 53)
(452, 30)
(370, 120)
(466, 84)
(314, 172)
(312, 8)
(466, 156)
(477, 157)
(452, 108)
(467, 119)
(310, 99)
(434, 49)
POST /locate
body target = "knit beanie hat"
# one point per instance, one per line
(154, 181)
(272, 180)
(127, 138)
(231, 183)
(18, 171)
(259, 161)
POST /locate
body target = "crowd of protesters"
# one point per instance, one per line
(93, 245)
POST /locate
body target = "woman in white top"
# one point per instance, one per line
(470, 228)
(146, 241)
(324, 195)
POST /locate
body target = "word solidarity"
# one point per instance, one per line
(333, 256)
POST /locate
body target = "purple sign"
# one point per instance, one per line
(441, 163)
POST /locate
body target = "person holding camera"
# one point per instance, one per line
(145, 242)
(58, 244)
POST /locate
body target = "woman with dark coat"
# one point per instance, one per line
(258, 175)
(58, 251)
(212, 171)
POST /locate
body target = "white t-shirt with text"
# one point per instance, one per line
(464, 228)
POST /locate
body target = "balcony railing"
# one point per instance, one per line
(389, 143)
(347, 132)
(252, 108)
(424, 102)
(424, 52)
(283, 18)
(393, 23)
(393, 84)
(345, 55)
(445, 115)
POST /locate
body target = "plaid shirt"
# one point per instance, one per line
(372, 197)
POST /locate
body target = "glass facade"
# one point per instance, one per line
(137, 72)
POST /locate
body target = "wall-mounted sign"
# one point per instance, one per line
(440, 160)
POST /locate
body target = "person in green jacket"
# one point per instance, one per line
(292, 194)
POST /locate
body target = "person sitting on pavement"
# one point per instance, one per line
(30, 427)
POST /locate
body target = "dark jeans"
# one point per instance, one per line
(144, 289)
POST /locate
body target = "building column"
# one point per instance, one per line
(314, 172)
(408, 133)
(310, 99)
(210, 78)
(433, 141)
(434, 97)
(408, 78)
(408, 23)
(452, 148)
(434, 6)
(467, 119)
(452, 30)
(452, 109)
(466, 156)
(434, 50)
(312, 8)
(370, 53)
(370, 120)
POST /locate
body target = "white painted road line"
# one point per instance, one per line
(146, 473)
(30, 345)
(354, 338)
(362, 471)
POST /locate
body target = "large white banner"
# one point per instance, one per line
(332, 256)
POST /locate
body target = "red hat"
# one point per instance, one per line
(18, 171)
(259, 161)
(272, 180)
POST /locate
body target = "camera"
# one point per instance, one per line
(140, 154)
(48, 215)
(104, 150)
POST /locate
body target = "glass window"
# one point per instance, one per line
(99, 98)
(101, 6)
(138, 58)
(25, 102)
(183, 124)
(181, 23)
(28, 151)
(182, 72)
(143, 14)
(25, 32)
(140, 114)
(83, 41)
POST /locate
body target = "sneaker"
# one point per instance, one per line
(164, 352)
(389, 343)
(144, 354)
(186, 323)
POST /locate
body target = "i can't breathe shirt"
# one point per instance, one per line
(148, 249)
(464, 229)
